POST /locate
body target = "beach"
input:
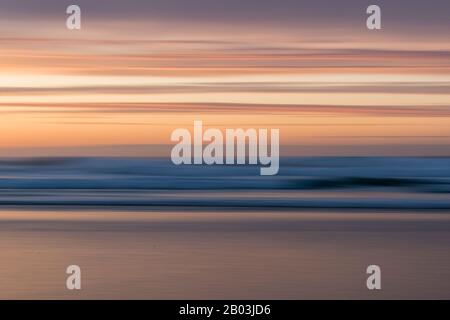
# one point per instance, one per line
(222, 254)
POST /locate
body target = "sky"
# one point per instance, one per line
(137, 70)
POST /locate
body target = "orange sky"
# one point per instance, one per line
(120, 84)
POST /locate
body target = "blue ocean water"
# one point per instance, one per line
(302, 182)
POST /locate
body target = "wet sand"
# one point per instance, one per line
(223, 255)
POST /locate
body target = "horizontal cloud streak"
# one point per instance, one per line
(415, 88)
(143, 108)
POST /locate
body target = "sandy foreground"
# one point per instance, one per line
(170, 254)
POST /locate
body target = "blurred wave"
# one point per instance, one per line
(322, 182)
